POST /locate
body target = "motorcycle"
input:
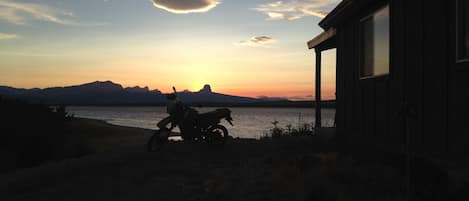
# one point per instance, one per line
(194, 126)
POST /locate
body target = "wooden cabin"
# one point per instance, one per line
(402, 73)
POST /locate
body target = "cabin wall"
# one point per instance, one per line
(346, 85)
(367, 104)
(341, 109)
(458, 91)
(424, 79)
(397, 123)
(435, 51)
(412, 67)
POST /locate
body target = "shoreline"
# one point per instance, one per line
(328, 104)
(96, 136)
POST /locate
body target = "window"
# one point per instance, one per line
(463, 30)
(375, 44)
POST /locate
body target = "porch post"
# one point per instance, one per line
(318, 89)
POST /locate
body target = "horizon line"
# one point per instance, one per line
(295, 98)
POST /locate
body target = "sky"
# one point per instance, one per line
(240, 47)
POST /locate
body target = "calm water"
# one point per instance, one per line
(248, 122)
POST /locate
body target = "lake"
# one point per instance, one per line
(248, 122)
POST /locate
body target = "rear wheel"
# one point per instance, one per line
(159, 138)
(218, 134)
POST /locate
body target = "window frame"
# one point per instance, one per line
(459, 25)
(372, 13)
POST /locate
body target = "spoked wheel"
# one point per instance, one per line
(218, 135)
(159, 138)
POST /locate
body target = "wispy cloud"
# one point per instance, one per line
(28, 54)
(21, 13)
(256, 41)
(186, 6)
(4, 36)
(296, 9)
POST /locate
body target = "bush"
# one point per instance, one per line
(275, 132)
(31, 133)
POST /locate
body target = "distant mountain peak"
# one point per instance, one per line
(102, 82)
(207, 89)
(156, 91)
(101, 85)
(138, 89)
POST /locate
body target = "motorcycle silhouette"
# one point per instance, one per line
(194, 126)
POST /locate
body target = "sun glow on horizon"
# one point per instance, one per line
(138, 44)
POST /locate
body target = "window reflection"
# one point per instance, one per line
(375, 44)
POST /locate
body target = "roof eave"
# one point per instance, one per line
(321, 38)
(330, 19)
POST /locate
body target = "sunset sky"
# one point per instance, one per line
(240, 47)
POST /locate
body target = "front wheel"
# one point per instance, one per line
(159, 138)
(218, 134)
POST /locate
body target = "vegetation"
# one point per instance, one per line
(31, 133)
(348, 172)
(304, 129)
(287, 169)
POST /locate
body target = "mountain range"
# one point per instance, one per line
(110, 93)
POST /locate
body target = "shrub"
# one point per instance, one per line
(31, 133)
(275, 132)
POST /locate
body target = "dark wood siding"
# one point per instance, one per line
(458, 97)
(381, 105)
(434, 75)
(365, 102)
(348, 69)
(340, 88)
(422, 77)
(413, 62)
(396, 134)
